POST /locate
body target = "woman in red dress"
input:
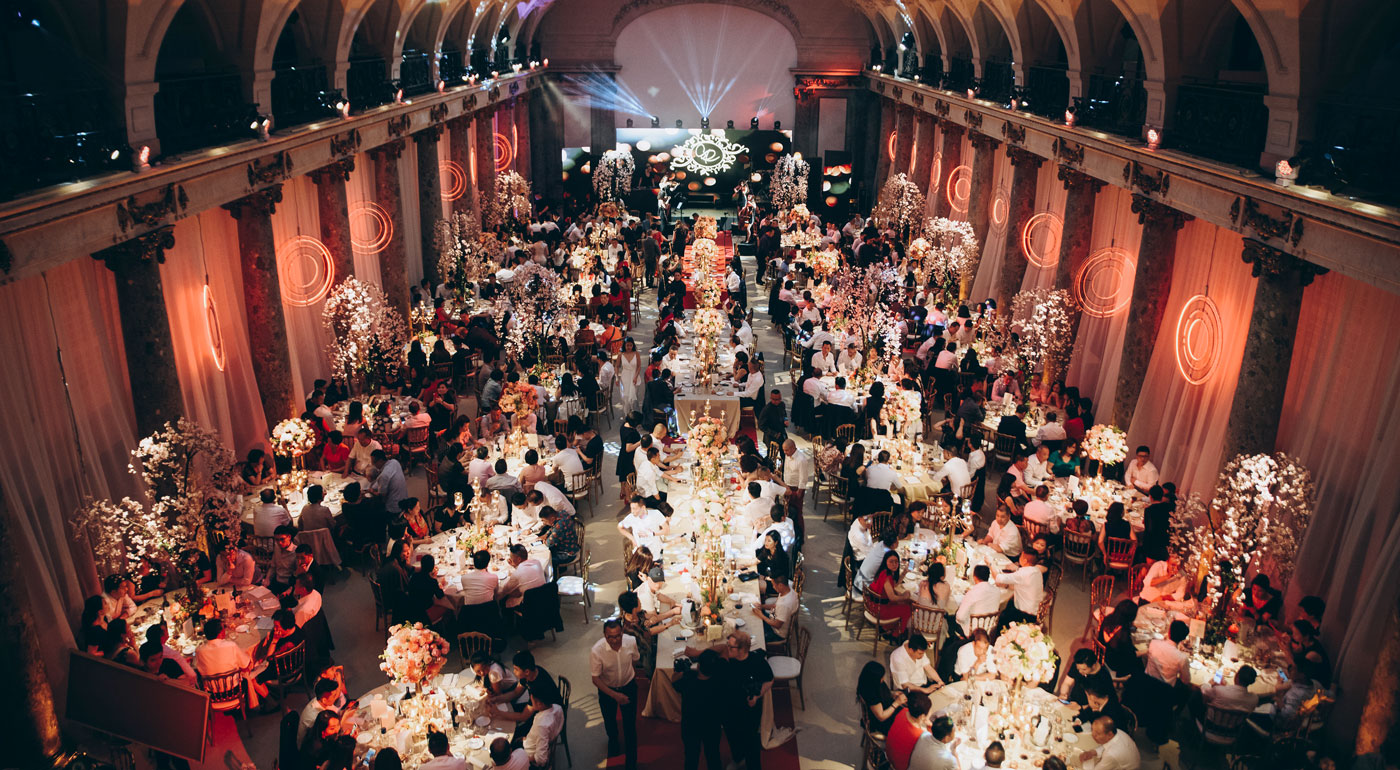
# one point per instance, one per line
(897, 602)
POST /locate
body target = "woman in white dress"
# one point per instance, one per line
(629, 375)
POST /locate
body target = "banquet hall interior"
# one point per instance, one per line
(792, 384)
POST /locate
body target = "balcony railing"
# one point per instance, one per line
(202, 111)
(998, 78)
(1361, 138)
(960, 74)
(933, 70)
(297, 96)
(367, 84)
(1047, 89)
(51, 138)
(1117, 104)
(1220, 121)
(416, 73)
(451, 67)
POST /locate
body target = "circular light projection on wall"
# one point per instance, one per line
(1200, 336)
(889, 144)
(1001, 209)
(211, 329)
(452, 179)
(306, 270)
(1040, 239)
(831, 201)
(1104, 284)
(936, 174)
(959, 188)
(371, 229)
(503, 152)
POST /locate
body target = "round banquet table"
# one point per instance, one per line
(958, 701)
(381, 725)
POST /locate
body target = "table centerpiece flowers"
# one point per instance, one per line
(518, 398)
(708, 440)
(415, 654)
(293, 437)
(1107, 444)
(706, 227)
(1023, 653)
(825, 262)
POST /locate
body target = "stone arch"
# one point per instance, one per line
(272, 21)
(1029, 19)
(1098, 24)
(933, 33)
(996, 27)
(780, 13)
(962, 41)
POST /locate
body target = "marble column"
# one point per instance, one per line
(1025, 168)
(1380, 716)
(882, 146)
(925, 138)
(459, 138)
(983, 189)
(523, 148)
(429, 197)
(904, 139)
(602, 135)
(1075, 235)
(393, 259)
(485, 157)
(806, 123)
(262, 301)
(1152, 285)
(150, 353)
(333, 208)
(952, 156)
(34, 737)
(1268, 348)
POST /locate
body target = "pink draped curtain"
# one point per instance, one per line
(358, 192)
(1050, 195)
(296, 229)
(1184, 424)
(994, 250)
(1098, 349)
(71, 425)
(222, 399)
(408, 198)
(1340, 418)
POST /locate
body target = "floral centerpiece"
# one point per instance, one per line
(464, 254)
(799, 214)
(1023, 653)
(708, 440)
(901, 204)
(825, 262)
(706, 227)
(704, 255)
(710, 322)
(798, 239)
(367, 335)
(1106, 443)
(949, 258)
(583, 258)
(510, 203)
(293, 437)
(414, 654)
(788, 186)
(518, 398)
(612, 178)
(897, 411)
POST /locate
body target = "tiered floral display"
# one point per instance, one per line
(898, 413)
(788, 186)
(706, 227)
(195, 495)
(709, 324)
(1024, 653)
(510, 204)
(708, 440)
(901, 204)
(612, 177)
(1043, 317)
(538, 308)
(824, 262)
(367, 335)
(414, 655)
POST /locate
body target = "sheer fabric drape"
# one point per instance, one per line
(71, 425)
(408, 201)
(1098, 349)
(359, 193)
(1184, 424)
(994, 250)
(1044, 232)
(1340, 417)
(227, 400)
(296, 229)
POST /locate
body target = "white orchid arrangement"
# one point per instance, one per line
(788, 186)
(293, 437)
(367, 335)
(950, 256)
(510, 203)
(1106, 443)
(1043, 316)
(464, 256)
(537, 307)
(194, 493)
(612, 177)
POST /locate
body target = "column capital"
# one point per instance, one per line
(1075, 179)
(1024, 158)
(388, 150)
(262, 202)
(1269, 262)
(953, 130)
(147, 247)
(981, 141)
(339, 170)
(430, 134)
(1149, 210)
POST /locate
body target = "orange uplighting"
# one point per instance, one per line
(914, 155)
(1103, 286)
(452, 180)
(503, 151)
(1040, 239)
(935, 175)
(1001, 208)
(959, 188)
(371, 229)
(1200, 335)
(889, 145)
(211, 329)
(306, 270)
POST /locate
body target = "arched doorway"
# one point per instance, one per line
(200, 102)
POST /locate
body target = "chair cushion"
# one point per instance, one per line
(785, 667)
(571, 585)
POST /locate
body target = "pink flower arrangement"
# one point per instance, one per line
(518, 398)
(414, 655)
(1022, 651)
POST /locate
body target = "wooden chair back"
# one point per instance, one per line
(1006, 445)
(290, 666)
(1119, 552)
(1029, 529)
(472, 642)
(415, 440)
(1221, 727)
(986, 622)
(1078, 546)
(932, 623)
(1100, 593)
(1045, 612)
(1139, 574)
(847, 432)
(880, 523)
(225, 690)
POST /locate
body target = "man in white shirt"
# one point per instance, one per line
(934, 749)
(1116, 749)
(779, 522)
(479, 584)
(417, 418)
(546, 493)
(798, 467)
(606, 371)
(879, 474)
(610, 662)
(1052, 430)
(975, 660)
(1039, 510)
(814, 387)
(955, 470)
(308, 599)
(361, 452)
(823, 361)
(1141, 474)
(1165, 661)
(236, 567)
(1002, 535)
(982, 598)
(947, 358)
(732, 282)
(860, 538)
(1027, 586)
(910, 668)
(871, 566)
(840, 396)
(644, 526)
(480, 469)
(442, 757)
(567, 461)
(776, 626)
(544, 728)
(925, 349)
(850, 359)
(745, 334)
(116, 598)
(820, 336)
(527, 573)
(1164, 582)
(756, 510)
(327, 692)
(503, 758)
(220, 655)
(1037, 470)
(649, 476)
(1234, 696)
(269, 516)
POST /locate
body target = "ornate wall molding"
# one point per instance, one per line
(941, 108)
(399, 126)
(1245, 213)
(389, 149)
(1074, 178)
(1156, 212)
(338, 170)
(1021, 157)
(143, 248)
(1152, 182)
(898, 93)
(347, 143)
(973, 119)
(261, 202)
(1067, 151)
(1269, 262)
(132, 214)
(981, 141)
(430, 134)
(273, 169)
(438, 112)
(1013, 132)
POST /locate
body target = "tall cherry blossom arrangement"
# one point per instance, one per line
(861, 304)
(788, 186)
(463, 255)
(194, 492)
(949, 257)
(537, 307)
(612, 177)
(511, 203)
(1043, 316)
(367, 335)
(901, 204)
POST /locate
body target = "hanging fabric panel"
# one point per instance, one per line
(1042, 233)
(306, 272)
(1103, 286)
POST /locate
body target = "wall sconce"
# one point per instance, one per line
(1154, 139)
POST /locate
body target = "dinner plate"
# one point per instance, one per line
(365, 737)
(476, 743)
(736, 597)
(738, 622)
(686, 633)
(483, 721)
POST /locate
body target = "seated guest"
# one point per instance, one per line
(503, 757)
(532, 472)
(327, 695)
(1232, 696)
(560, 536)
(119, 646)
(1115, 526)
(221, 655)
(336, 452)
(258, 469)
(895, 601)
(1086, 670)
(306, 565)
(1261, 602)
(154, 662)
(526, 573)
(773, 559)
(149, 581)
(479, 584)
(1141, 474)
(480, 469)
(270, 515)
(501, 482)
(1027, 585)
(236, 567)
(1100, 701)
(364, 519)
(1116, 749)
(442, 756)
(784, 609)
(974, 660)
(423, 593)
(934, 751)
(159, 633)
(875, 696)
(1164, 582)
(282, 569)
(1003, 536)
(547, 724)
(982, 598)
(1038, 510)
(393, 580)
(911, 671)
(318, 744)
(1115, 635)
(314, 515)
(909, 725)
(117, 602)
(643, 525)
